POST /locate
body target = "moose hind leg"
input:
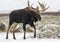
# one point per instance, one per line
(8, 30)
(14, 26)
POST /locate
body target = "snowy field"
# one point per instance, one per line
(19, 38)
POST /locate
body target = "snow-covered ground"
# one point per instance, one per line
(19, 38)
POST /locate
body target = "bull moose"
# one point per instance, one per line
(27, 15)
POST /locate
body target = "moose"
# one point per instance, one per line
(27, 15)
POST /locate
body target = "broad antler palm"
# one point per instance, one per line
(43, 7)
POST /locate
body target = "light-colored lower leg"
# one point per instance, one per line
(13, 28)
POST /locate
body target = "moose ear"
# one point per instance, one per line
(37, 8)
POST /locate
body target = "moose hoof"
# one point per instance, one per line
(14, 38)
(34, 36)
(24, 38)
(6, 37)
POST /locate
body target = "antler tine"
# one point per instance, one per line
(31, 5)
(47, 7)
(39, 3)
(28, 3)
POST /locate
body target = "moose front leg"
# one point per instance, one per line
(24, 28)
(14, 26)
(34, 31)
(32, 24)
(14, 35)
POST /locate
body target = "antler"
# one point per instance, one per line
(43, 6)
(28, 3)
(29, 7)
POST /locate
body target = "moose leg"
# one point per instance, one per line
(8, 29)
(32, 24)
(34, 31)
(14, 35)
(24, 28)
(7, 32)
(14, 26)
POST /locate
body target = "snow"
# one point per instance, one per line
(19, 38)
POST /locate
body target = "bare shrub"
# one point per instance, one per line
(2, 27)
